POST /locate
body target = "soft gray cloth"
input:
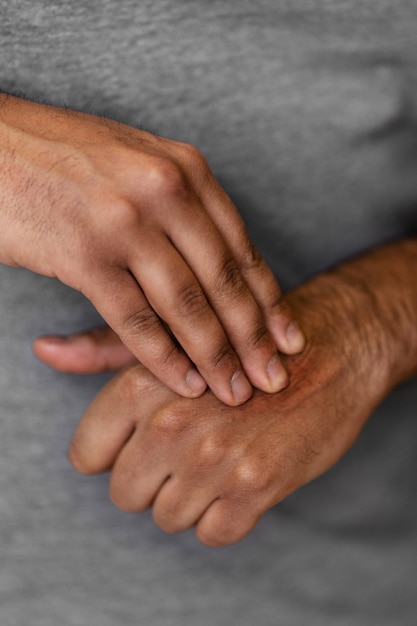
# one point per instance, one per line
(306, 112)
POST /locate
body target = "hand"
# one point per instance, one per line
(199, 463)
(139, 224)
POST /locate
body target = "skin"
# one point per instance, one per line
(139, 224)
(203, 464)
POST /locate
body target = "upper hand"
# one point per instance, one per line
(139, 224)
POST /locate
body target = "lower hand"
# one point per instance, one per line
(199, 463)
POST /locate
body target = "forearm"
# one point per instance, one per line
(374, 299)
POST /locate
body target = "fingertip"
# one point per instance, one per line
(289, 337)
(86, 465)
(64, 353)
(277, 375)
(295, 338)
(75, 460)
(241, 388)
(195, 383)
(46, 348)
(88, 352)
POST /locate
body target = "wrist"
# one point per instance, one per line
(363, 313)
(386, 278)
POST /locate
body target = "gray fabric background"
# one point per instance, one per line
(306, 112)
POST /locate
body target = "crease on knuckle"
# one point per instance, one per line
(168, 357)
(191, 301)
(142, 322)
(224, 355)
(230, 282)
(157, 347)
(258, 338)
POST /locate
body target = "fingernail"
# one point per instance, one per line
(195, 382)
(295, 337)
(241, 387)
(277, 375)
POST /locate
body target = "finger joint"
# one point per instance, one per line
(230, 282)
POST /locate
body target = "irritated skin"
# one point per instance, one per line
(198, 462)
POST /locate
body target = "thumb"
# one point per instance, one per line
(88, 352)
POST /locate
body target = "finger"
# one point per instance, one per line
(178, 505)
(225, 522)
(110, 420)
(138, 474)
(121, 302)
(133, 496)
(229, 296)
(177, 297)
(278, 315)
(88, 352)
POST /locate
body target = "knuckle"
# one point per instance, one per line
(258, 338)
(164, 178)
(142, 322)
(230, 281)
(210, 453)
(191, 301)
(169, 423)
(158, 352)
(194, 158)
(249, 478)
(116, 215)
(134, 382)
(222, 356)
